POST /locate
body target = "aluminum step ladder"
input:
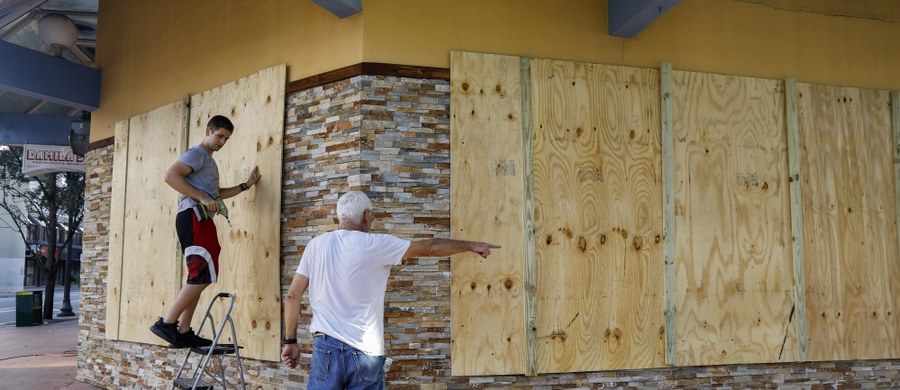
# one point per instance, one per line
(196, 378)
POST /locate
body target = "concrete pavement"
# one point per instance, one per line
(40, 357)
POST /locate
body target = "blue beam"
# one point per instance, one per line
(627, 18)
(42, 76)
(20, 129)
(341, 8)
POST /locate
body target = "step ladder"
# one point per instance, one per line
(196, 378)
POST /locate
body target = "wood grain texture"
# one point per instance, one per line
(116, 230)
(895, 129)
(151, 257)
(598, 216)
(530, 259)
(251, 242)
(752, 273)
(796, 192)
(850, 231)
(487, 204)
(733, 264)
(668, 193)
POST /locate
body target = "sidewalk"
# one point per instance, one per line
(40, 357)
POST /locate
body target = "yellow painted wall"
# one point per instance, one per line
(153, 52)
(418, 32)
(843, 42)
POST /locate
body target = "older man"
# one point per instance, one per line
(346, 271)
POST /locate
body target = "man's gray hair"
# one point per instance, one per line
(352, 205)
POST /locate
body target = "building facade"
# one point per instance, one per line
(353, 122)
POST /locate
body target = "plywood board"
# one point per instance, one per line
(850, 223)
(116, 230)
(668, 193)
(733, 263)
(251, 243)
(752, 273)
(151, 257)
(487, 204)
(598, 216)
(796, 193)
(530, 257)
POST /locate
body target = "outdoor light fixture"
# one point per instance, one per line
(58, 31)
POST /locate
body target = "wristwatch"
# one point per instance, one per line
(289, 341)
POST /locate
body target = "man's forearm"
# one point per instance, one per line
(228, 192)
(292, 305)
(437, 247)
(291, 316)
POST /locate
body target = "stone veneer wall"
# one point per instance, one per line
(390, 137)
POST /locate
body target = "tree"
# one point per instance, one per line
(43, 197)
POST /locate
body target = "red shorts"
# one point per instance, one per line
(200, 246)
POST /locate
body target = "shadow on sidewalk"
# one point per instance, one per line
(40, 357)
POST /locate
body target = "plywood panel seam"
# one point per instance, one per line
(185, 136)
(529, 240)
(895, 128)
(793, 139)
(668, 169)
(116, 231)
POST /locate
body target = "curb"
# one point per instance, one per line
(55, 320)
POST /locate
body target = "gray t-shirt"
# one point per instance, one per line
(205, 176)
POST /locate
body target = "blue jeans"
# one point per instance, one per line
(336, 365)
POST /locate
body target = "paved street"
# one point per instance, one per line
(8, 304)
(43, 356)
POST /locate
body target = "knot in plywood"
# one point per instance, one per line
(638, 242)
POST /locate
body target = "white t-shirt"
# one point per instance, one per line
(348, 272)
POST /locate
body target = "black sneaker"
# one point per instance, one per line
(190, 339)
(167, 332)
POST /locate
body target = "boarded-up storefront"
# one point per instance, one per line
(146, 266)
(660, 228)
(663, 218)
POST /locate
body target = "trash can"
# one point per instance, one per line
(28, 308)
